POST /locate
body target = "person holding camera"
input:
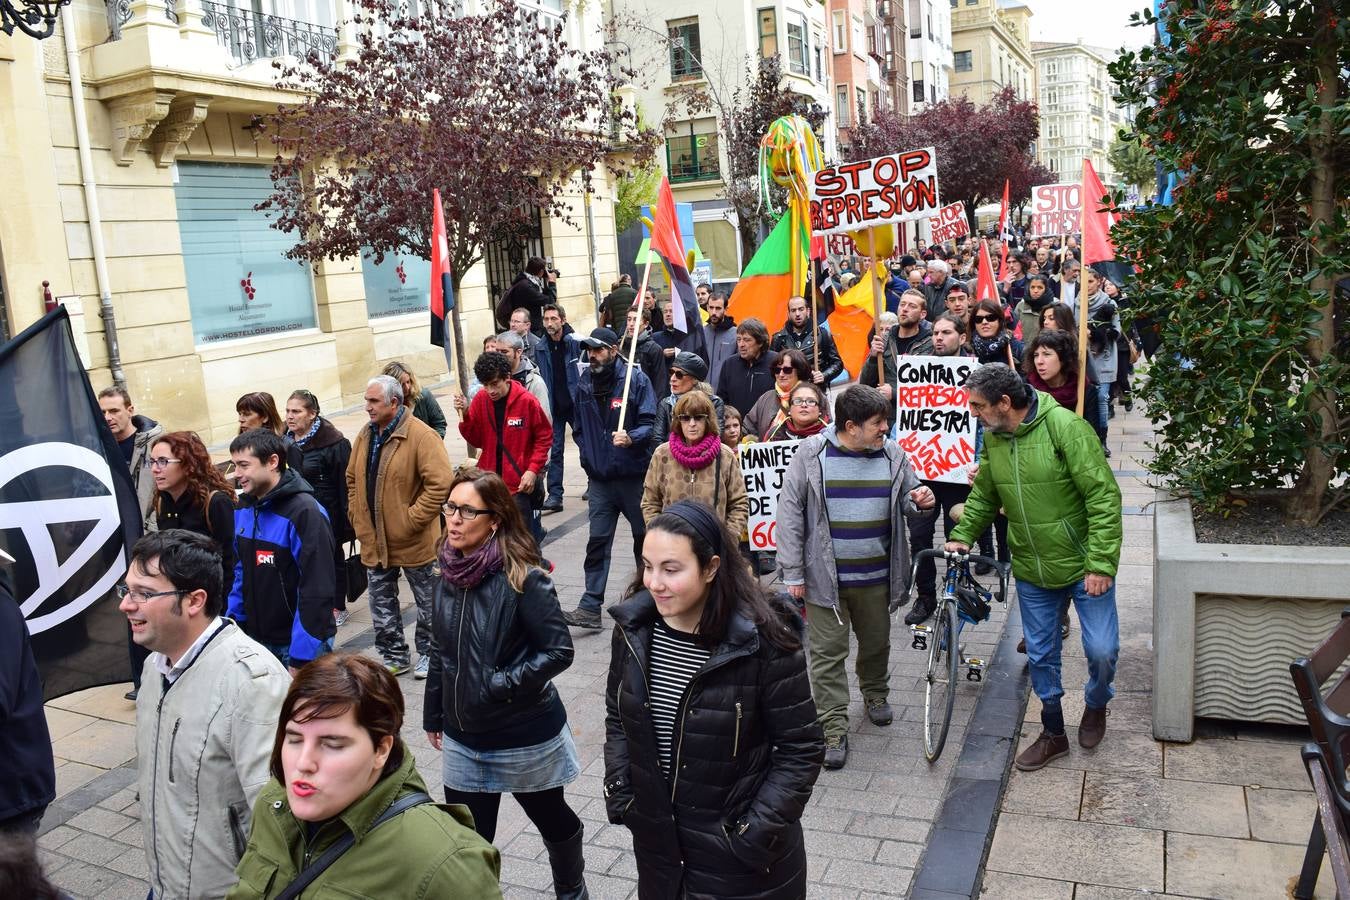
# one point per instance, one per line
(1103, 332)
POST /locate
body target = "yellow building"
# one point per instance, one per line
(991, 49)
(159, 147)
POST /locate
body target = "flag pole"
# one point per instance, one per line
(632, 350)
(815, 318)
(1082, 301)
(878, 294)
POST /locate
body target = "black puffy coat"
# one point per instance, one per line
(749, 751)
(496, 654)
(324, 466)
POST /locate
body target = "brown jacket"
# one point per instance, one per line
(668, 481)
(412, 482)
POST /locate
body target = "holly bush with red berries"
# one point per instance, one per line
(1247, 101)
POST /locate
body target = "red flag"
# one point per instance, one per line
(442, 293)
(667, 243)
(1097, 220)
(1003, 233)
(984, 285)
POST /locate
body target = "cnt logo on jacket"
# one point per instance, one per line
(284, 578)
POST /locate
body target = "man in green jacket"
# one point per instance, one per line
(1045, 468)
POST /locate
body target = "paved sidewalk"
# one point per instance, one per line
(1226, 816)
(866, 826)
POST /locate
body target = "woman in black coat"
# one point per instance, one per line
(711, 740)
(323, 464)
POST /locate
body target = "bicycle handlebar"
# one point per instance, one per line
(955, 557)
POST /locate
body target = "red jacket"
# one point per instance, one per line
(526, 433)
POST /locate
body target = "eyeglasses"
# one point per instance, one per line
(123, 593)
(985, 318)
(806, 401)
(786, 370)
(466, 512)
(687, 419)
(160, 462)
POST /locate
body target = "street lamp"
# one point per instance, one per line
(36, 18)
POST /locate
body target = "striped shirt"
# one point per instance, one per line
(673, 660)
(858, 504)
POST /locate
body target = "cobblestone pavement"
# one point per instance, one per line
(866, 826)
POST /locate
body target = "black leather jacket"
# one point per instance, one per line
(495, 652)
(789, 339)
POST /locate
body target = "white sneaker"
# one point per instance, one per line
(423, 667)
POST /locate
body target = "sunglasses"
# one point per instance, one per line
(985, 318)
(785, 370)
(676, 373)
(687, 419)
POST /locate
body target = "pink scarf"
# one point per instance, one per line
(697, 456)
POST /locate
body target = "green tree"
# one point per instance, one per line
(637, 188)
(1248, 100)
(1135, 166)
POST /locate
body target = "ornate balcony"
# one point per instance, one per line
(249, 36)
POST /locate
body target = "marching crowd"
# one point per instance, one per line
(270, 764)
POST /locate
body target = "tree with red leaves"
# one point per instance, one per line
(495, 109)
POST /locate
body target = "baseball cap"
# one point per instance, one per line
(600, 337)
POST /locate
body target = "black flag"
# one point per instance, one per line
(68, 510)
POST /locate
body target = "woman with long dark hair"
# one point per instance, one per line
(711, 740)
(341, 773)
(324, 465)
(769, 411)
(990, 337)
(491, 708)
(191, 493)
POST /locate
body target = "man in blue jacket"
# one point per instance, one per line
(615, 449)
(284, 575)
(555, 359)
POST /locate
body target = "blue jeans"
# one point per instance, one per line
(554, 481)
(1101, 644)
(609, 498)
(283, 651)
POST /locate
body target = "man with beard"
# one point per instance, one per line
(719, 335)
(798, 334)
(615, 445)
(912, 336)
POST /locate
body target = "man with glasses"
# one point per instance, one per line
(687, 373)
(799, 334)
(206, 719)
(285, 570)
(616, 448)
(397, 479)
(520, 324)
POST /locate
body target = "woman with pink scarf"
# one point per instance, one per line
(695, 465)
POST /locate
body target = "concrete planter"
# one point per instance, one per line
(1229, 618)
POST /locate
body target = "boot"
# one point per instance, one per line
(923, 608)
(569, 867)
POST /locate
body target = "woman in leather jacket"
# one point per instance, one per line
(324, 465)
(490, 706)
(711, 740)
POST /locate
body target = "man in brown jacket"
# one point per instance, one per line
(397, 479)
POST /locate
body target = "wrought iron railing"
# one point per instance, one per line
(250, 36)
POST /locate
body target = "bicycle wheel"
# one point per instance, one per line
(940, 690)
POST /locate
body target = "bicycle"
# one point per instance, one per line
(963, 600)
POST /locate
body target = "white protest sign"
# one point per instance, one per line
(901, 187)
(933, 423)
(950, 224)
(1055, 209)
(763, 467)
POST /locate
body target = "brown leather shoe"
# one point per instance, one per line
(1093, 727)
(1047, 747)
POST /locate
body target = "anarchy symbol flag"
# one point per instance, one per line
(68, 511)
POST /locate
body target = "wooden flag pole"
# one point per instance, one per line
(1082, 307)
(632, 350)
(815, 320)
(878, 298)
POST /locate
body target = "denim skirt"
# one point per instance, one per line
(522, 770)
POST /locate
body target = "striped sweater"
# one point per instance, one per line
(858, 503)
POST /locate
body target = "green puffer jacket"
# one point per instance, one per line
(1062, 502)
(429, 851)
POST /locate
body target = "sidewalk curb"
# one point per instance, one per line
(958, 844)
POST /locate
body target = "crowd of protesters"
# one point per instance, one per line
(271, 763)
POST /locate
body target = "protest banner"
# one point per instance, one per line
(1055, 209)
(901, 187)
(950, 224)
(763, 467)
(933, 423)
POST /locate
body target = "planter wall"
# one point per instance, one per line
(1229, 618)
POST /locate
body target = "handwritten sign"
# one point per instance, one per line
(933, 423)
(1055, 209)
(763, 467)
(902, 187)
(950, 224)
